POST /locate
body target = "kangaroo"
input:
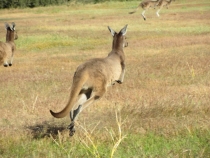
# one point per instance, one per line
(8, 48)
(91, 79)
(145, 5)
(163, 3)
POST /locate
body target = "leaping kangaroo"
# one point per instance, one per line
(145, 5)
(92, 78)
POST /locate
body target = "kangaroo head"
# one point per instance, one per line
(11, 32)
(119, 39)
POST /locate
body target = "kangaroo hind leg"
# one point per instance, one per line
(11, 60)
(90, 98)
(5, 62)
(143, 14)
(83, 97)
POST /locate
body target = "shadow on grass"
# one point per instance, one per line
(45, 129)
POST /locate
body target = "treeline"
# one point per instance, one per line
(29, 3)
(36, 3)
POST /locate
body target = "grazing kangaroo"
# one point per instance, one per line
(8, 48)
(163, 3)
(92, 78)
(145, 5)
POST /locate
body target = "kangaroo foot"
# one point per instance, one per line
(71, 129)
(118, 81)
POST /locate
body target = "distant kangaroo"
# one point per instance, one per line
(92, 78)
(145, 5)
(8, 48)
(163, 3)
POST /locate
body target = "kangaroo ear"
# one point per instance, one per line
(112, 31)
(13, 26)
(124, 30)
(6, 26)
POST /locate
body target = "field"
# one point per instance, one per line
(161, 110)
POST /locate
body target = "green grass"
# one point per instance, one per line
(190, 143)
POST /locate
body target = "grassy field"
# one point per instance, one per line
(161, 110)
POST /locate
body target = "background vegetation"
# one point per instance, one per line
(37, 3)
(161, 110)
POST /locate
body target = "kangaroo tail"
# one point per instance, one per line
(75, 90)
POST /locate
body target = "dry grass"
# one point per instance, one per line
(166, 89)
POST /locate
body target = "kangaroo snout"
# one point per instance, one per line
(126, 44)
(16, 37)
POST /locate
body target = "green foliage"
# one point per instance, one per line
(29, 3)
(37, 3)
(193, 144)
(155, 145)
